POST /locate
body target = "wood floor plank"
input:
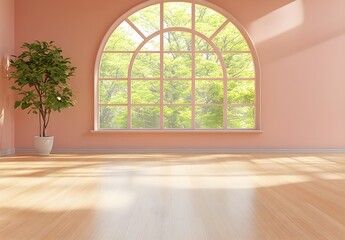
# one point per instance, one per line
(173, 197)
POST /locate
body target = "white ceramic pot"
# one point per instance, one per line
(43, 145)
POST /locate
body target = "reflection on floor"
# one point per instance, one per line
(172, 196)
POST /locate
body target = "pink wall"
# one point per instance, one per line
(6, 96)
(302, 56)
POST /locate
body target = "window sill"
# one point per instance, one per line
(177, 131)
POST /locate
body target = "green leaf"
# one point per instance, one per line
(15, 88)
(25, 105)
(17, 104)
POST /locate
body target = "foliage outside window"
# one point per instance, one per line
(176, 66)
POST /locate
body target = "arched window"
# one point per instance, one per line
(176, 66)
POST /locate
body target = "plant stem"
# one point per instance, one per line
(40, 124)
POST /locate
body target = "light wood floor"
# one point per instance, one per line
(172, 196)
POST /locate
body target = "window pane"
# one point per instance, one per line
(147, 20)
(124, 38)
(208, 117)
(177, 41)
(145, 117)
(209, 91)
(115, 65)
(207, 65)
(177, 65)
(239, 65)
(207, 21)
(152, 45)
(230, 39)
(113, 117)
(241, 117)
(145, 92)
(177, 14)
(241, 92)
(177, 92)
(146, 65)
(112, 92)
(177, 117)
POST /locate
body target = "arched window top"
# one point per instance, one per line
(176, 65)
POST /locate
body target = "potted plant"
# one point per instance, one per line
(40, 74)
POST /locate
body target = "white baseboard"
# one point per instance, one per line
(9, 151)
(188, 150)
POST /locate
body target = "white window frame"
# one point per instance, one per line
(252, 51)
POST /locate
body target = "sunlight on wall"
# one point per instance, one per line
(5, 65)
(2, 117)
(4, 70)
(277, 22)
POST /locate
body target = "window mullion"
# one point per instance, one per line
(219, 29)
(129, 107)
(193, 66)
(225, 97)
(135, 28)
(161, 121)
(225, 100)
